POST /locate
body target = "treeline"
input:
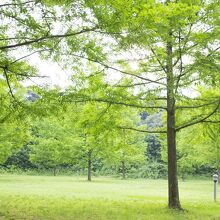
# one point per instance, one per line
(98, 139)
(92, 138)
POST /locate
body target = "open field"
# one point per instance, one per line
(58, 198)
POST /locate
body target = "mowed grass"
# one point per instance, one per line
(59, 198)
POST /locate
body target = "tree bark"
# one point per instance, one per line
(173, 191)
(172, 164)
(90, 165)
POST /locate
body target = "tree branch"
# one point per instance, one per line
(197, 106)
(15, 4)
(118, 70)
(46, 38)
(112, 102)
(8, 82)
(199, 120)
(144, 131)
(158, 60)
(210, 121)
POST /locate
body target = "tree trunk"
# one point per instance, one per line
(54, 171)
(183, 177)
(173, 191)
(172, 164)
(123, 169)
(89, 165)
(218, 160)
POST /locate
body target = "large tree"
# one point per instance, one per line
(175, 46)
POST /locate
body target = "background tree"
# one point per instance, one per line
(51, 144)
(127, 151)
(13, 135)
(20, 158)
(13, 124)
(94, 124)
(126, 146)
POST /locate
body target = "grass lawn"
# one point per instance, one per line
(58, 198)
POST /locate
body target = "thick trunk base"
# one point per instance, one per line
(175, 205)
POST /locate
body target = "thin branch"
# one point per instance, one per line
(26, 75)
(184, 49)
(8, 82)
(112, 102)
(144, 131)
(199, 120)
(181, 65)
(21, 74)
(21, 58)
(15, 4)
(197, 106)
(15, 38)
(186, 38)
(103, 113)
(46, 38)
(158, 60)
(137, 84)
(215, 50)
(118, 70)
(210, 121)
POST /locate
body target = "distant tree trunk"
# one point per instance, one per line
(183, 177)
(217, 153)
(89, 165)
(54, 171)
(123, 169)
(219, 175)
(171, 132)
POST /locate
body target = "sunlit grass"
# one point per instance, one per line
(38, 197)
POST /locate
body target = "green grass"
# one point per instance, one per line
(58, 198)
